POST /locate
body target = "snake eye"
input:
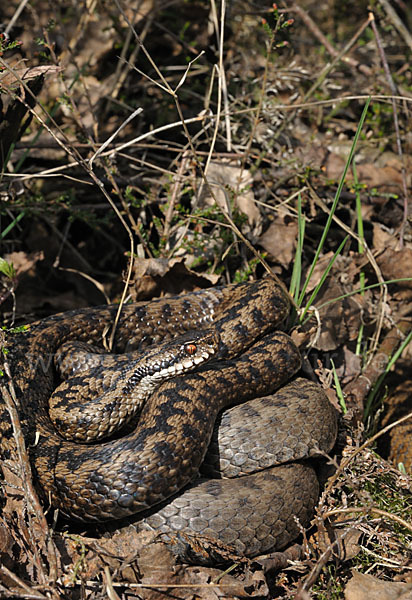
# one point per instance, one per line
(191, 348)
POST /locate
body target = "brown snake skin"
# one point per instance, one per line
(145, 467)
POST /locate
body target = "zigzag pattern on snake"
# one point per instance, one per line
(163, 453)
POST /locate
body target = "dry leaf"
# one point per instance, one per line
(397, 265)
(24, 262)
(279, 240)
(340, 320)
(384, 172)
(382, 239)
(10, 80)
(365, 587)
(350, 368)
(223, 178)
(349, 547)
(387, 177)
(154, 276)
(396, 443)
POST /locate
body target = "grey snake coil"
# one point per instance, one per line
(150, 465)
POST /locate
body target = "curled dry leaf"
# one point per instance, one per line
(382, 239)
(351, 366)
(365, 587)
(340, 320)
(279, 241)
(24, 262)
(224, 178)
(396, 444)
(11, 80)
(349, 546)
(119, 552)
(343, 542)
(153, 276)
(384, 171)
(396, 264)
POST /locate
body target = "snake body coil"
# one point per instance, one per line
(122, 477)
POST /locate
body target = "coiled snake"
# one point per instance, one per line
(153, 461)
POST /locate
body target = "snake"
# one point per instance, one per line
(183, 360)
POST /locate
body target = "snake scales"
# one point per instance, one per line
(163, 453)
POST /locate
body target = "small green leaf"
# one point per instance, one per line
(7, 269)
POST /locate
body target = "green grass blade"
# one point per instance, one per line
(377, 386)
(324, 276)
(297, 265)
(361, 249)
(11, 225)
(335, 202)
(361, 289)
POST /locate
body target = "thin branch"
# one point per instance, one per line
(393, 89)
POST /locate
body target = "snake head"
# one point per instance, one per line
(193, 349)
(175, 357)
